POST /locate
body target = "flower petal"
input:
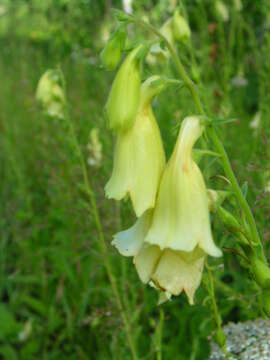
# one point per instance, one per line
(129, 242)
(146, 261)
(178, 271)
(181, 219)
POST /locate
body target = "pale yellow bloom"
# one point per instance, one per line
(170, 242)
(50, 94)
(181, 218)
(167, 270)
(139, 157)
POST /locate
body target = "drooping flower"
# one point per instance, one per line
(50, 94)
(181, 218)
(170, 242)
(167, 270)
(139, 157)
(124, 97)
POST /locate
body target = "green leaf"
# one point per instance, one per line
(245, 189)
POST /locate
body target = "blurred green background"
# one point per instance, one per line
(55, 298)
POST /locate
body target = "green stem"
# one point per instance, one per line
(101, 237)
(217, 317)
(213, 135)
(159, 334)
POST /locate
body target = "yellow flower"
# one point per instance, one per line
(51, 94)
(124, 97)
(167, 270)
(139, 157)
(170, 242)
(181, 218)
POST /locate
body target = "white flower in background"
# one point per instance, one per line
(222, 10)
(255, 122)
(267, 187)
(3, 10)
(238, 5)
(127, 6)
(239, 81)
(26, 332)
(94, 148)
(50, 94)
(170, 242)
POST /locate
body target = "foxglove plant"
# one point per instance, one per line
(172, 237)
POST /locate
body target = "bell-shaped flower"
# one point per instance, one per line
(139, 157)
(124, 97)
(181, 219)
(50, 93)
(170, 271)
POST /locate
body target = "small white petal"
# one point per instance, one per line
(129, 242)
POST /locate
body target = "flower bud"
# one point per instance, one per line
(50, 93)
(220, 337)
(228, 219)
(124, 97)
(167, 31)
(139, 157)
(112, 52)
(261, 272)
(181, 29)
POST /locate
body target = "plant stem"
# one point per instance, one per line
(217, 317)
(213, 135)
(159, 334)
(101, 237)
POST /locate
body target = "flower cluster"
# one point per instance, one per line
(172, 235)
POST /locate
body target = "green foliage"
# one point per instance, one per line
(55, 299)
